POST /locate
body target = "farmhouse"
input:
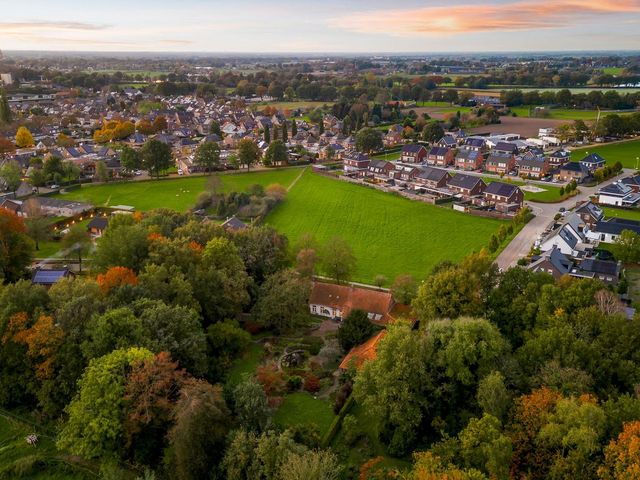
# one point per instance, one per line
(466, 185)
(233, 224)
(441, 156)
(413, 153)
(337, 301)
(617, 194)
(504, 196)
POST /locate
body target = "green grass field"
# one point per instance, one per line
(612, 70)
(40, 462)
(621, 213)
(566, 113)
(389, 235)
(626, 153)
(176, 193)
(246, 364)
(294, 105)
(302, 409)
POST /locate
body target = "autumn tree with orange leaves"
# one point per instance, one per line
(116, 277)
(622, 455)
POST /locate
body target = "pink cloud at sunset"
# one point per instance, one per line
(469, 18)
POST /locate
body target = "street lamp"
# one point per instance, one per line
(637, 159)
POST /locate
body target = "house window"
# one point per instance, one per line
(314, 309)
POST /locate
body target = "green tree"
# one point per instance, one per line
(628, 246)
(113, 251)
(156, 157)
(404, 289)
(276, 153)
(130, 158)
(355, 329)
(207, 156)
(116, 329)
(77, 241)
(53, 168)
(11, 174)
(39, 229)
(267, 134)
(201, 424)
(248, 152)
(250, 405)
(432, 132)
(5, 110)
(338, 260)
(283, 301)
(102, 173)
(493, 396)
(312, 464)
(94, 426)
(369, 140)
(225, 341)
(294, 128)
(484, 447)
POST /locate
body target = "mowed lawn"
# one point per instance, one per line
(302, 409)
(175, 193)
(389, 235)
(633, 214)
(626, 153)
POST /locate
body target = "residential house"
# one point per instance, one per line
(474, 143)
(559, 158)
(441, 156)
(379, 169)
(393, 136)
(570, 237)
(500, 162)
(404, 173)
(608, 231)
(355, 162)
(553, 262)
(97, 226)
(505, 197)
(337, 301)
(593, 161)
(632, 182)
(467, 159)
(590, 213)
(606, 271)
(572, 171)
(233, 224)
(532, 164)
(413, 153)
(62, 208)
(360, 354)
(618, 194)
(467, 186)
(448, 141)
(13, 205)
(432, 179)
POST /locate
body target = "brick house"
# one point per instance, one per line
(441, 156)
(505, 197)
(413, 153)
(467, 185)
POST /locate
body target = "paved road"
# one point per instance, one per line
(544, 213)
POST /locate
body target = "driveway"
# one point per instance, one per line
(544, 212)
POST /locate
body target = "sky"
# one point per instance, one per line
(349, 26)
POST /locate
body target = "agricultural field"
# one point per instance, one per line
(39, 462)
(626, 153)
(293, 105)
(566, 113)
(389, 235)
(175, 193)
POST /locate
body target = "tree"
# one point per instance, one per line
(276, 153)
(313, 464)
(355, 329)
(248, 152)
(283, 301)
(294, 128)
(369, 140)
(621, 456)
(493, 397)
(102, 173)
(207, 156)
(6, 146)
(428, 466)
(116, 329)
(484, 447)
(159, 124)
(64, 140)
(77, 242)
(53, 168)
(5, 110)
(112, 251)
(116, 277)
(250, 405)
(225, 340)
(285, 134)
(151, 392)
(11, 173)
(338, 260)
(201, 424)
(306, 261)
(267, 134)
(628, 244)
(17, 247)
(404, 289)
(130, 158)
(94, 426)
(432, 132)
(155, 156)
(38, 228)
(24, 138)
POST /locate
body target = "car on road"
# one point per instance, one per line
(138, 172)
(54, 187)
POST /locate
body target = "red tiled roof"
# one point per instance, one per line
(349, 298)
(360, 354)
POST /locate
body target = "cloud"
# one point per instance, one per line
(45, 25)
(458, 19)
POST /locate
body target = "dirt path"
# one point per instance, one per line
(295, 180)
